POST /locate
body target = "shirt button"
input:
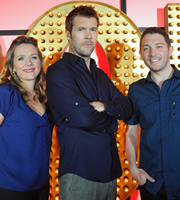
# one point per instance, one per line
(76, 103)
(108, 112)
(99, 98)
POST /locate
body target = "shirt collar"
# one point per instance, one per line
(176, 74)
(72, 58)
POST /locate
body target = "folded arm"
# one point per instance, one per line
(65, 95)
(118, 106)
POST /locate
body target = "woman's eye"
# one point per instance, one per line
(34, 57)
(20, 58)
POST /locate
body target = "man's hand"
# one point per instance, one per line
(141, 176)
(99, 106)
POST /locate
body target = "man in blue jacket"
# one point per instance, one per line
(85, 106)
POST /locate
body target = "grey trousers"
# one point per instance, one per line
(73, 187)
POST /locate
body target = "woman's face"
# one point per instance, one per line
(27, 64)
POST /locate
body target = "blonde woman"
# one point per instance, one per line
(25, 129)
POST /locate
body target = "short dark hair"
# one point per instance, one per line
(158, 30)
(85, 11)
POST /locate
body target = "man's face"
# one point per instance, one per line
(155, 52)
(83, 37)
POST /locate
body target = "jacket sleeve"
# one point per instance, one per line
(119, 106)
(65, 96)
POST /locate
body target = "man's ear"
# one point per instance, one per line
(68, 35)
(141, 56)
(171, 50)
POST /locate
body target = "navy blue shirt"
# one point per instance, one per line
(86, 136)
(158, 113)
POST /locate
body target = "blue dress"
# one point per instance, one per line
(25, 140)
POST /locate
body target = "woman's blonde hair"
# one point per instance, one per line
(7, 74)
